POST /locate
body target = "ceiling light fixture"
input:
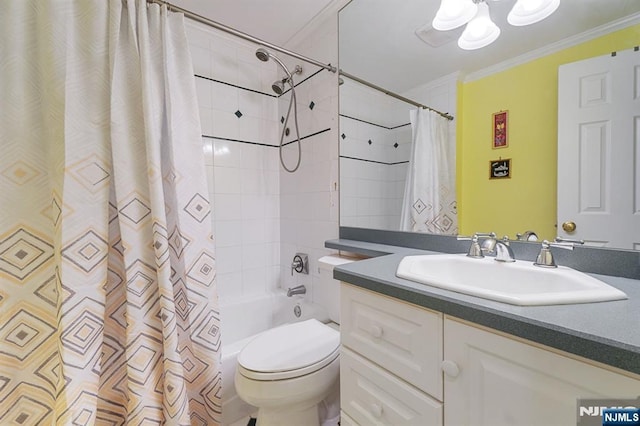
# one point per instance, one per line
(454, 13)
(527, 12)
(481, 30)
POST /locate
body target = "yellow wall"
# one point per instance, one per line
(530, 93)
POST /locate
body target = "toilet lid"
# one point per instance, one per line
(290, 347)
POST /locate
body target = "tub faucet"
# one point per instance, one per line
(301, 289)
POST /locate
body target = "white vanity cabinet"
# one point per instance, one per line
(390, 362)
(497, 380)
(406, 365)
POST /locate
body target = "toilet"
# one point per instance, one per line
(290, 371)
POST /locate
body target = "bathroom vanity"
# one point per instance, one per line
(415, 354)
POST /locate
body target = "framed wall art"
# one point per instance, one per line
(500, 125)
(500, 169)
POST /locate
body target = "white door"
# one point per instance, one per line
(598, 150)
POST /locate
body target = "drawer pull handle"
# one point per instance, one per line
(376, 331)
(376, 410)
(450, 368)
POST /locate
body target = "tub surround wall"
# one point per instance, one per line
(239, 116)
(375, 143)
(261, 213)
(309, 197)
(375, 147)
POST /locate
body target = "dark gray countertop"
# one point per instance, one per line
(607, 332)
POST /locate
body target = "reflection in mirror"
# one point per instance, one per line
(518, 73)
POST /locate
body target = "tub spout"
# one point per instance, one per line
(296, 290)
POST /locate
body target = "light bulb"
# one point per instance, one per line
(526, 12)
(454, 13)
(531, 5)
(480, 31)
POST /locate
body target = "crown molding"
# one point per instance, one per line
(555, 47)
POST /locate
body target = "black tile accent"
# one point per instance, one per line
(343, 136)
(282, 120)
(369, 142)
(238, 114)
(374, 124)
(239, 141)
(374, 161)
(311, 105)
(235, 85)
(395, 145)
(265, 144)
(308, 136)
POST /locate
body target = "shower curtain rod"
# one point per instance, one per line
(394, 95)
(240, 34)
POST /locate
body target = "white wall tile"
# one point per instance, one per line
(227, 206)
(228, 180)
(262, 214)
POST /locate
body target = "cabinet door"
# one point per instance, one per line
(370, 396)
(398, 336)
(500, 381)
(345, 420)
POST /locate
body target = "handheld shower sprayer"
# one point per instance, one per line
(279, 88)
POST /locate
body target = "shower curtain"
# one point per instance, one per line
(108, 300)
(429, 203)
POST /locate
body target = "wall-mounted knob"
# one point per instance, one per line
(300, 264)
(450, 368)
(376, 331)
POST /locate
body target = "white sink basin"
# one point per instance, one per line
(517, 283)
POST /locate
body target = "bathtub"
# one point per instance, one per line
(243, 320)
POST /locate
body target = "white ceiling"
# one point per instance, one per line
(274, 21)
(378, 41)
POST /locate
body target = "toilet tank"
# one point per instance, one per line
(328, 286)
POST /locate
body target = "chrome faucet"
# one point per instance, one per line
(503, 250)
(301, 289)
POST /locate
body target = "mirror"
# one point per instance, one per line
(381, 42)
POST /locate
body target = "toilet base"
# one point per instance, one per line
(292, 416)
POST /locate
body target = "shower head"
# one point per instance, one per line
(278, 87)
(262, 54)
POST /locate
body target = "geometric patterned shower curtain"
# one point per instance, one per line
(108, 299)
(429, 203)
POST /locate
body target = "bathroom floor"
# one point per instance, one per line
(251, 421)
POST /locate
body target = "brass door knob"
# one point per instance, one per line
(569, 226)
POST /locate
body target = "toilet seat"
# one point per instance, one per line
(289, 351)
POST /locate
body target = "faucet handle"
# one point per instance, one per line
(561, 241)
(475, 250)
(545, 257)
(485, 234)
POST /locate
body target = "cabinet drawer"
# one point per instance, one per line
(371, 396)
(398, 336)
